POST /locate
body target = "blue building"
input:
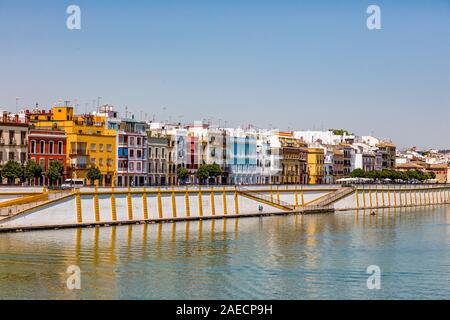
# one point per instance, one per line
(241, 163)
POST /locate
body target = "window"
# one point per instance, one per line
(42, 163)
(11, 137)
(60, 147)
(138, 141)
(23, 137)
(33, 146)
(131, 153)
(163, 153)
(100, 162)
(149, 152)
(51, 147)
(138, 166)
(23, 157)
(93, 147)
(1, 155)
(131, 166)
(93, 161)
(139, 153)
(108, 162)
(100, 147)
(131, 141)
(42, 146)
(108, 148)
(156, 152)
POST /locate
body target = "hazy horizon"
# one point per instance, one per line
(289, 65)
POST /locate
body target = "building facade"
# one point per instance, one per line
(132, 154)
(89, 141)
(45, 147)
(158, 160)
(13, 139)
(316, 161)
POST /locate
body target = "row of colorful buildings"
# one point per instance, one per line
(129, 152)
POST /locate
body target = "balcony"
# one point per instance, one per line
(79, 153)
(79, 166)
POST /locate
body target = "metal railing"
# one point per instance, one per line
(34, 201)
(264, 197)
(334, 196)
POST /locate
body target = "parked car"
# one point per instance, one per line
(73, 183)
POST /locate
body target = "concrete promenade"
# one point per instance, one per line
(36, 208)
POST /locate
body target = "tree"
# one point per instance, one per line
(202, 173)
(93, 174)
(215, 170)
(12, 170)
(182, 174)
(358, 173)
(55, 171)
(32, 170)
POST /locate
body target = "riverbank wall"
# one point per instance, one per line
(111, 206)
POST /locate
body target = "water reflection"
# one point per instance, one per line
(292, 257)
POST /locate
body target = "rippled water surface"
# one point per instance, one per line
(289, 257)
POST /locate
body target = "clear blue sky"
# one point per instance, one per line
(287, 64)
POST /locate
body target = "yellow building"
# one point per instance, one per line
(316, 159)
(89, 142)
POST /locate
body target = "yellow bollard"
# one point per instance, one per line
(78, 204)
(188, 207)
(174, 205)
(236, 203)
(415, 196)
(357, 197)
(96, 206)
(364, 197)
(278, 194)
(370, 198)
(144, 204)
(213, 203)
(394, 192)
(200, 203)
(389, 196)
(129, 205)
(224, 201)
(376, 197)
(113, 205)
(296, 197)
(160, 212)
(383, 200)
(271, 193)
(302, 196)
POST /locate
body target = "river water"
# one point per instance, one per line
(284, 257)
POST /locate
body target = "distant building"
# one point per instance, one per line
(241, 157)
(388, 154)
(46, 146)
(316, 161)
(293, 153)
(89, 141)
(338, 164)
(13, 138)
(158, 156)
(132, 154)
